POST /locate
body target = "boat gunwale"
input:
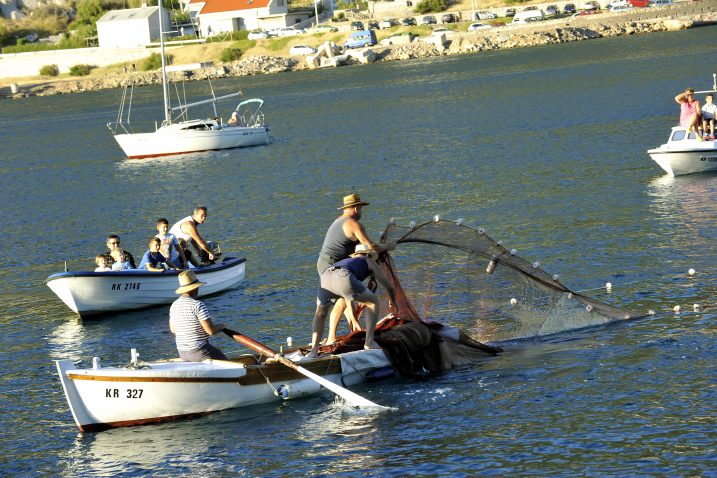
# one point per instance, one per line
(228, 263)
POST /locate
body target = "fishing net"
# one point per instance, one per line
(451, 273)
(461, 294)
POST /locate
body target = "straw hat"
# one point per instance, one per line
(353, 200)
(188, 281)
(363, 249)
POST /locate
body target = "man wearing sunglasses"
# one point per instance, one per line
(117, 254)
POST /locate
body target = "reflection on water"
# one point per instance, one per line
(67, 341)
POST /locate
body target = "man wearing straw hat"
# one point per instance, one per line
(341, 239)
(191, 324)
(344, 279)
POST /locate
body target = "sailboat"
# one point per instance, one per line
(177, 134)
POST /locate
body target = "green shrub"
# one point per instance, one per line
(429, 6)
(154, 62)
(80, 70)
(230, 54)
(49, 70)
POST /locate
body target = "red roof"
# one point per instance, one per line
(217, 6)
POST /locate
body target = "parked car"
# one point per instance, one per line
(428, 20)
(569, 8)
(408, 22)
(387, 23)
(443, 31)
(258, 35)
(357, 26)
(325, 28)
(289, 31)
(449, 18)
(373, 25)
(302, 50)
(510, 12)
(660, 3)
(591, 5)
(361, 39)
(477, 26)
(551, 10)
(485, 16)
(398, 39)
(529, 8)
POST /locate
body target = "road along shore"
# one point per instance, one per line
(636, 21)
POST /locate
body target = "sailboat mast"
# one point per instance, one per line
(165, 90)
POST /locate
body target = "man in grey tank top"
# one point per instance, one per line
(340, 241)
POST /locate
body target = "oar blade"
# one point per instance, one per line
(353, 399)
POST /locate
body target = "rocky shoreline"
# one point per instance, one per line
(638, 21)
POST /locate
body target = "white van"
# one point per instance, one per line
(528, 16)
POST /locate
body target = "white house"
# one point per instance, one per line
(130, 28)
(221, 16)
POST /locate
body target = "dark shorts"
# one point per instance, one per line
(337, 283)
(206, 351)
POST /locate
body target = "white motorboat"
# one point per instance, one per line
(684, 153)
(92, 293)
(180, 135)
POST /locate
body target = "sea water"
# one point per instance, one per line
(544, 147)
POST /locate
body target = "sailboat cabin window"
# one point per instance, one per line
(678, 135)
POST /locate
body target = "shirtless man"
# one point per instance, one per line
(186, 229)
(341, 240)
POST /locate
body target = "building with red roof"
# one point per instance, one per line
(215, 17)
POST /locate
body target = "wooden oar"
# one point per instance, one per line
(351, 398)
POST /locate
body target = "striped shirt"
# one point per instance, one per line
(186, 314)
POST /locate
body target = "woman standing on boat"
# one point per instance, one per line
(689, 111)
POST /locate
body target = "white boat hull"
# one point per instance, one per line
(685, 155)
(92, 293)
(110, 397)
(174, 139)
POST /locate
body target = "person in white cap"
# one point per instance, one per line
(191, 324)
(345, 280)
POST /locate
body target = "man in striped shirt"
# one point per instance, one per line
(191, 324)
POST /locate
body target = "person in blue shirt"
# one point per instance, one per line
(344, 279)
(153, 260)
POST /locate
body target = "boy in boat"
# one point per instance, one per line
(344, 280)
(169, 245)
(153, 260)
(689, 111)
(709, 112)
(191, 324)
(101, 262)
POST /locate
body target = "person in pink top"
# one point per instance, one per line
(689, 111)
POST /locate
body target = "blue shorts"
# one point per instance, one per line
(335, 283)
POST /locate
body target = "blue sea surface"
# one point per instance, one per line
(543, 147)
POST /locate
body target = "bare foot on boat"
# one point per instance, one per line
(312, 355)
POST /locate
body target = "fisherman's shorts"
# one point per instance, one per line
(337, 282)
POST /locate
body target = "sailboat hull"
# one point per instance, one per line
(176, 139)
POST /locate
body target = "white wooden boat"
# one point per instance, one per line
(141, 393)
(178, 134)
(684, 153)
(91, 293)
